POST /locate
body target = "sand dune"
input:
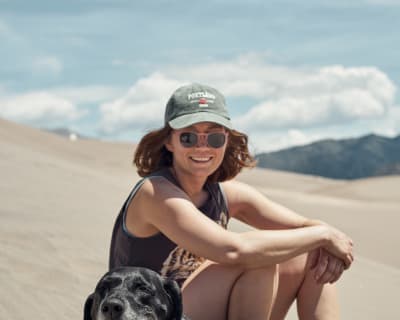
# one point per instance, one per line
(59, 200)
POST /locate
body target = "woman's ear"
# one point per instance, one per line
(168, 144)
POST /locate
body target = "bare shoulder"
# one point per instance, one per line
(157, 193)
(239, 195)
(236, 189)
(152, 197)
(160, 188)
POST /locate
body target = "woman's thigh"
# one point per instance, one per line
(207, 291)
(213, 291)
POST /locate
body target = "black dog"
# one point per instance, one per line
(133, 293)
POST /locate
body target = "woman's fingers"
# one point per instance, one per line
(339, 272)
(334, 271)
(321, 266)
(341, 246)
(349, 259)
(329, 268)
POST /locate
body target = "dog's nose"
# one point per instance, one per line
(113, 309)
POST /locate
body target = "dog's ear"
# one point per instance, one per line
(174, 292)
(87, 311)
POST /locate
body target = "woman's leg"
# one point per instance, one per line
(317, 302)
(254, 294)
(217, 292)
(296, 282)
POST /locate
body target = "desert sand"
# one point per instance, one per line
(59, 199)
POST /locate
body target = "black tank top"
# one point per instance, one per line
(158, 252)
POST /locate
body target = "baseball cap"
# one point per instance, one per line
(196, 103)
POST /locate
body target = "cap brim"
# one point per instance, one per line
(190, 119)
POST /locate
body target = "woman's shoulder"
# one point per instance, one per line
(239, 193)
(234, 186)
(158, 186)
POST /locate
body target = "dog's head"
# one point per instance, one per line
(132, 293)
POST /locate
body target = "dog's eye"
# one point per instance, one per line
(143, 289)
(108, 284)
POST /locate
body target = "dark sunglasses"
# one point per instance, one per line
(191, 139)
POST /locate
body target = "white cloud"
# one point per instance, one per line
(293, 105)
(387, 126)
(47, 64)
(248, 75)
(287, 97)
(141, 107)
(298, 97)
(273, 141)
(87, 94)
(39, 107)
(313, 110)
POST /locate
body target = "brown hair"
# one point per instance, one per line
(151, 154)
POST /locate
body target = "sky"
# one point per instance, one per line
(292, 72)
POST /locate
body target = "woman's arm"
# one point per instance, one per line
(168, 209)
(250, 206)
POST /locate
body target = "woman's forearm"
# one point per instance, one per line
(267, 247)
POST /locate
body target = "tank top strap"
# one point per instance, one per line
(165, 173)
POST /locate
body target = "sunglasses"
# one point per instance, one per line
(214, 140)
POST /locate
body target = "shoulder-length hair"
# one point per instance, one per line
(151, 154)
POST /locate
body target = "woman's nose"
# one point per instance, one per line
(202, 140)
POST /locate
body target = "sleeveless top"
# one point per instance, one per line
(158, 252)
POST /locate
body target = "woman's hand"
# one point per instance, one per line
(340, 246)
(326, 267)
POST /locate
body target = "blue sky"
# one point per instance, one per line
(292, 72)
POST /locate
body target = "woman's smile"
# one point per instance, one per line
(201, 159)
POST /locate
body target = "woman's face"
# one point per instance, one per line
(192, 148)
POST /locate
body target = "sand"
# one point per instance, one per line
(59, 199)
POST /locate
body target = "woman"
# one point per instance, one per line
(175, 219)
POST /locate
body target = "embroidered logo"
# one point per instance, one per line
(201, 94)
(203, 102)
(201, 98)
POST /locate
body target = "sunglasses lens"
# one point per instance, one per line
(216, 140)
(188, 139)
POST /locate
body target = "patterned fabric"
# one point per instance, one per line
(158, 252)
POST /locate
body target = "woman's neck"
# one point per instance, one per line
(192, 185)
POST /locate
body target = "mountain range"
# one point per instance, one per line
(366, 156)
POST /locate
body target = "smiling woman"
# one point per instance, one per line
(175, 222)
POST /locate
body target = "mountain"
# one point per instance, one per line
(367, 156)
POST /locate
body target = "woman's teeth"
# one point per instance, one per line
(201, 159)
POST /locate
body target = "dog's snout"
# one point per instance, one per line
(113, 309)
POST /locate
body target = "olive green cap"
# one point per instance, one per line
(196, 103)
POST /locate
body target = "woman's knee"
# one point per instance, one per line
(296, 267)
(259, 277)
(293, 274)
